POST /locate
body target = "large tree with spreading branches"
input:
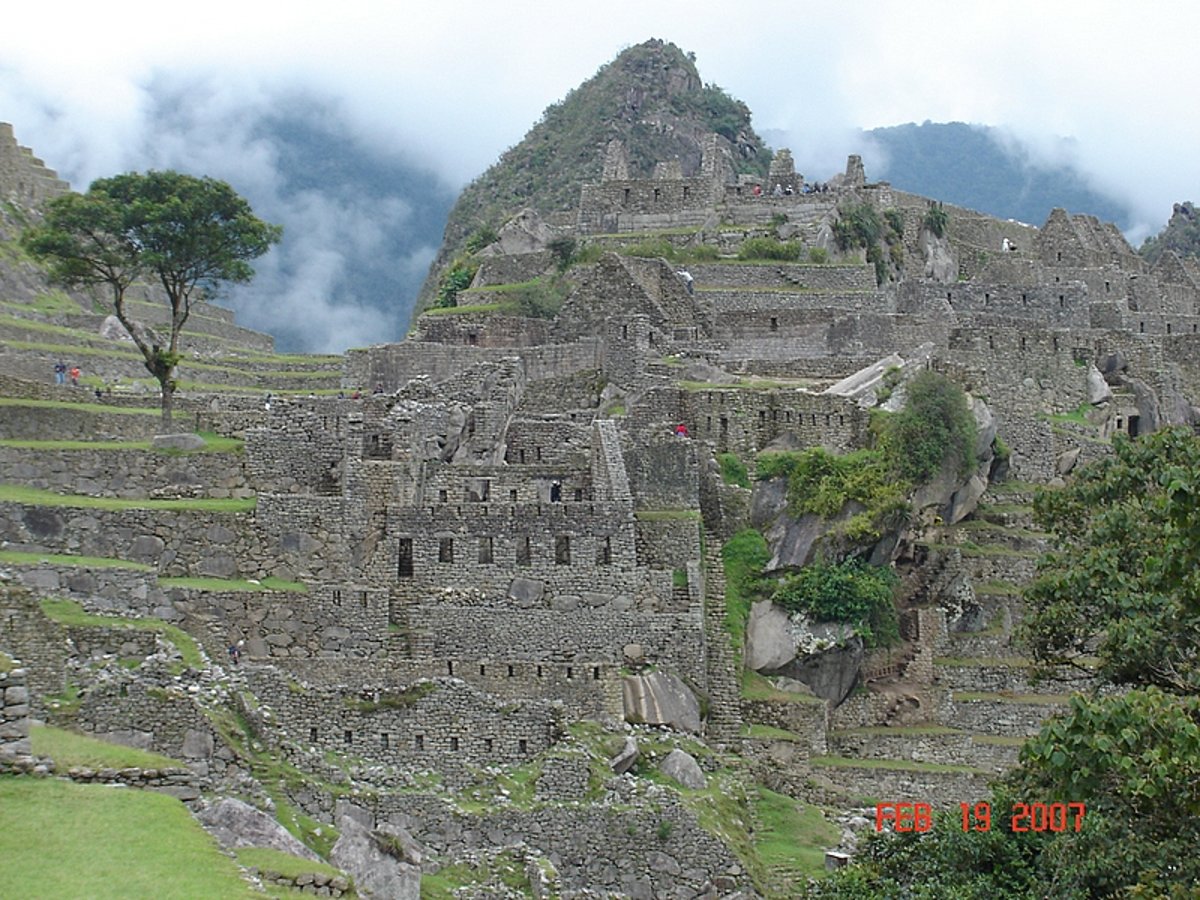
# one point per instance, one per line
(189, 235)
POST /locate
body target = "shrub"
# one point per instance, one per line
(857, 226)
(456, 278)
(936, 219)
(733, 470)
(895, 223)
(851, 592)
(934, 427)
(563, 251)
(818, 255)
(769, 248)
(480, 238)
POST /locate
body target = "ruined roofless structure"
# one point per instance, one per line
(510, 537)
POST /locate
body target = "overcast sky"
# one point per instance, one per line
(1110, 85)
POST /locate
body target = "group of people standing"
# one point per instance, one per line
(62, 373)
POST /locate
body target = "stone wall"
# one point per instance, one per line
(442, 724)
(617, 849)
(24, 179)
(126, 473)
(14, 708)
(174, 542)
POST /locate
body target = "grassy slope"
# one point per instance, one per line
(60, 839)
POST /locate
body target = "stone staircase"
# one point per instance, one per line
(725, 717)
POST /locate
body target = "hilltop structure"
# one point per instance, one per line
(497, 532)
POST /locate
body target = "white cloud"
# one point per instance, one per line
(455, 83)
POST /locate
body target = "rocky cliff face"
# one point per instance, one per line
(650, 97)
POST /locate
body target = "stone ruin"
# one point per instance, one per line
(509, 536)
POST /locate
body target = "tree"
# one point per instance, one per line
(1123, 585)
(189, 234)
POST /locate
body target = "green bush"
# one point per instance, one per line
(769, 248)
(895, 223)
(480, 238)
(456, 278)
(936, 219)
(851, 592)
(818, 255)
(934, 427)
(858, 226)
(733, 470)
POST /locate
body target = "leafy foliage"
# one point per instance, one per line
(936, 219)
(850, 591)
(935, 426)
(455, 279)
(862, 226)
(745, 555)
(1123, 581)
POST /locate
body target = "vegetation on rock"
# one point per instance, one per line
(852, 592)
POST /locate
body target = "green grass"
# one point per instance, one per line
(280, 863)
(19, 558)
(757, 687)
(464, 310)
(505, 868)
(905, 765)
(50, 303)
(6, 662)
(999, 740)
(744, 556)
(85, 407)
(1010, 697)
(69, 748)
(213, 443)
(791, 835)
(13, 493)
(68, 612)
(234, 584)
(60, 839)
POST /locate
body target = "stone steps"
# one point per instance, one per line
(724, 689)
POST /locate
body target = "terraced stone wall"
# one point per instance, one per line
(444, 725)
(126, 473)
(629, 851)
(176, 542)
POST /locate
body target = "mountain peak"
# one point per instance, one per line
(650, 97)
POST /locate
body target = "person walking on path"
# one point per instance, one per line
(75, 373)
(60, 373)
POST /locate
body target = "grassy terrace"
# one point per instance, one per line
(85, 407)
(214, 443)
(13, 493)
(234, 584)
(70, 613)
(69, 748)
(903, 765)
(1009, 697)
(20, 558)
(119, 350)
(61, 839)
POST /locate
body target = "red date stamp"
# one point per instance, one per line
(1022, 817)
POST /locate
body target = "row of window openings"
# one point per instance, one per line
(657, 195)
(524, 554)
(336, 597)
(474, 497)
(512, 671)
(385, 741)
(1142, 328)
(762, 419)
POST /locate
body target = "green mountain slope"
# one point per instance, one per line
(973, 166)
(1181, 234)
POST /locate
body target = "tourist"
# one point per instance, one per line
(757, 192)
(778, 192)
(235, 654)
(60, 373)
(686, 276)
(75, 373)
(555, 492)
(681, 430)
